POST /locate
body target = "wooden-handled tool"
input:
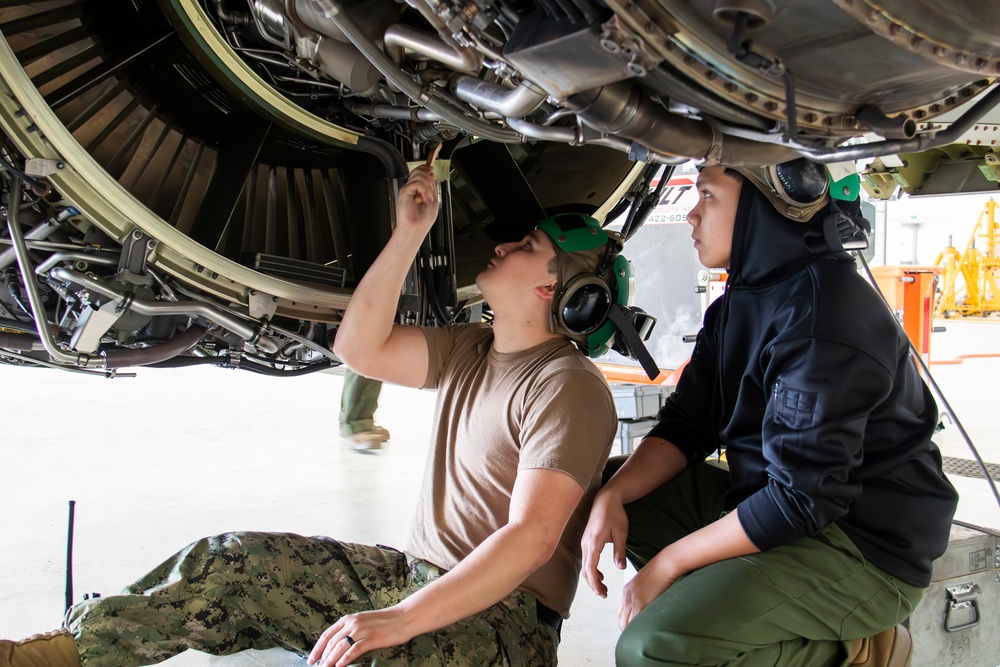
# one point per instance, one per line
(431, 156)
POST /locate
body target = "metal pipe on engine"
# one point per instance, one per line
(591, 136)
(230, 17)
(34, 297)
(626, 111)
(921, 142)
(543, 132)
(514, 102)
(125, 357)
(334, 11)
(390, 111)
(39, 232)
(271, 22)
(159, 308)
(899, 127)
(107, 259)
(110, 374)
(428, 44)
(312, 345)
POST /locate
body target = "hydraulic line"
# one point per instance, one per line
(143, 307)
(254, 367)
(386, 153)
(516, 102)
(31, 361)
(34, 297)
(125, 357)
(312, 345)
(39, 232)
(273, 328)
(184, 362)
(644, 203)
(335, 12)
(402, 36)
(921, 142)
(586, 135)
(105, 258)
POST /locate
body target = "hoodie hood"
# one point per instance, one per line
(768, 246)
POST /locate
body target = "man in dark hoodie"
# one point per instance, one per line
(823, 529)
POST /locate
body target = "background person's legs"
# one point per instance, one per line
(358, 402)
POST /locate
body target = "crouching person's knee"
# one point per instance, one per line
(643, 646)
(630, 651)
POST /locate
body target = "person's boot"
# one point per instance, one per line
(370, 439)
(53, 649)
(892, 648)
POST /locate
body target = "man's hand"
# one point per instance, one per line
(368, 340)
(650, 582)
(541, 504)
(418, 202)
(719, 540)
(368, 631)
(608, 523)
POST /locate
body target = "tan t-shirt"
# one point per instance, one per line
(547, 407)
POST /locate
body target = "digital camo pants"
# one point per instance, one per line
(240, 591)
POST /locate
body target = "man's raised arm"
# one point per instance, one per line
(368, 340)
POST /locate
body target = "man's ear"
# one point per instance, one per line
(546, 292)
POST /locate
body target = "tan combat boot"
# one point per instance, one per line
(892, 648)
(53, 649)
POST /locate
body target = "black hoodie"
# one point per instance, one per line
(803, 375)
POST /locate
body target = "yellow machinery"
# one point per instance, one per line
(977, 292)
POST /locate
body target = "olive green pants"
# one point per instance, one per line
(358, 402)
(239, 591)
(800, 604)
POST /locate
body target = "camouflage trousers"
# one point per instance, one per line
(240, 591)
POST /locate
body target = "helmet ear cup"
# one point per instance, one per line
(797, 189)
(800, 181)
(584, 304)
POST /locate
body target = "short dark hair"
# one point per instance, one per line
(733, 174)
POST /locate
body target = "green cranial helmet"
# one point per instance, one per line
(592, 277)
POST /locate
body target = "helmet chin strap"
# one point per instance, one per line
(619, 315)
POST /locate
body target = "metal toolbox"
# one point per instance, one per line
(958, 620)
(630, 432)
(636, 401)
